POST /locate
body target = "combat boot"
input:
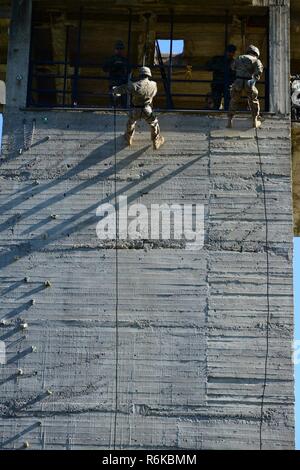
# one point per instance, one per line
(128, 139)
(158, 142)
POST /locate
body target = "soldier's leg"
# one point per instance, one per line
(112, 99)
(124, 101)
(226, 98)
(235, 95)
(157, 139)
(217, 93)
(254, 105)
(123, 97)
(134, 115)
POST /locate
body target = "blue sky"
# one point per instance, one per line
(297, 320)
(164, 45)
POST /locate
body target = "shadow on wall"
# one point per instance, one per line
(71, 225)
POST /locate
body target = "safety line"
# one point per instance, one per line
(268, 294)
(117, 283)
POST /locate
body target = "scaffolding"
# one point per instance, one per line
(74, 81)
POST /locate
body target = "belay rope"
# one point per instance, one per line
(116, 281)
(268, 293)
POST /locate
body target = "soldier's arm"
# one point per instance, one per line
(259, 68)
(123, 89)
(154, 90)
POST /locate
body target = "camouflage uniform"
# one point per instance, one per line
(142, 93)
(247, 67)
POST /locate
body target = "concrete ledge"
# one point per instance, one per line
(162, 111)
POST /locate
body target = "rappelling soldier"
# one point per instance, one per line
(248, 69)
(142, 94)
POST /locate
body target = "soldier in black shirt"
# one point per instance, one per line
(117, 67)
(223, 76)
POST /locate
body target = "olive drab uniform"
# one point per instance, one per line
(142, 93)
(248, 69)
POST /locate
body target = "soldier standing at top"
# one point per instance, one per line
(223, 76)
(117, 67)
(248, 70)
(142, 92)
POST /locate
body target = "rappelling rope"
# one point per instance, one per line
(268, 294)
(117, 282)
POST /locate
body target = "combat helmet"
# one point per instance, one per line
(145, 72)
(253, 50)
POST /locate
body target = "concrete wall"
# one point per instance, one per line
(296, 176)
(192, 325)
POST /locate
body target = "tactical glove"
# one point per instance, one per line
(251, 83)
(114, 91)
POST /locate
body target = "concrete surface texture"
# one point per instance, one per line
(192, 325)
(296, 175)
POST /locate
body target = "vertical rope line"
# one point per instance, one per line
(268, 295)
(117, 284)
